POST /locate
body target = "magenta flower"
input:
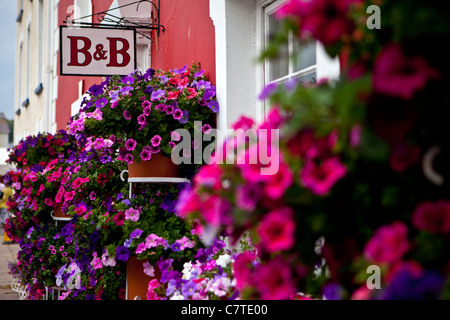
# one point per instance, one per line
(177, 114)
(130, 144)
(146, 154)
(141, 119)
(169, 109)
(160, 107)
(216, 211)
(401, 76)
(127, 115)
(48, 202)
(242, 269)
(276, 230)
(326, 20)
(277, 183)
(206, 129)
(156, 140)
(247, 196)
(321, 178)
(147, 111)
(388, 244)
(146, 104)
(274, 279)
(433, 217)
(69, 195)
(128, 158)
(140, 248)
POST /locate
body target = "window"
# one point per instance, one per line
(28, 66)
(40, 57)
(304, 62)
(83, 9)
(296, 60)
(19, 77)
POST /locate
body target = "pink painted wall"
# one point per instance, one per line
(189, 37)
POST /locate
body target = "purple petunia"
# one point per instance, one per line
(136, 234)
(184, 118)
(122, 253)
(125, 90)
(158, 94)
(128, 80)
(96, 89)
(213, 105)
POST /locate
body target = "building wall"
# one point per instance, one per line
(70, 88)
(30, 118)
(188, 37)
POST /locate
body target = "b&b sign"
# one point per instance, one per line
(97, 51)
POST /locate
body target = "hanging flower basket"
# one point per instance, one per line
(158, 166)
(137, 280)
(57, 213)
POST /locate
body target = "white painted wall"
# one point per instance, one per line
(239, 77)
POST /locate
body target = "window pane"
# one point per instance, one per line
(308, 79)
(304, 55)
(278, 67)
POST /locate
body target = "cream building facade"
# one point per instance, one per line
(36, 67)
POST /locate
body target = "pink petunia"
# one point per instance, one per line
(326, 20)
(69, 195)
(140, 248)
(141, 119)
(127, 115)
(156, 140)
(401, 76)
(320, 178)
(243, 268)
(146, 154)
(132, 214)
(277, 183)
(48, 202)
(216, 211)
(276, 230)
(191, 93)
(130, 144)
(274, 279)
(388, 244)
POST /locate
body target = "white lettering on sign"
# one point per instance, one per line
(97, 51)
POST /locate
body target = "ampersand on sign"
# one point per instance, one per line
(99, 53)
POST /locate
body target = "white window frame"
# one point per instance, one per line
(83, 8)
(28, 62)
(40, 53)
(20, 73)
(325, 67)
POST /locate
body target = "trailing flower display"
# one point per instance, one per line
(343, 183)
(354, 193)
(139, 112)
